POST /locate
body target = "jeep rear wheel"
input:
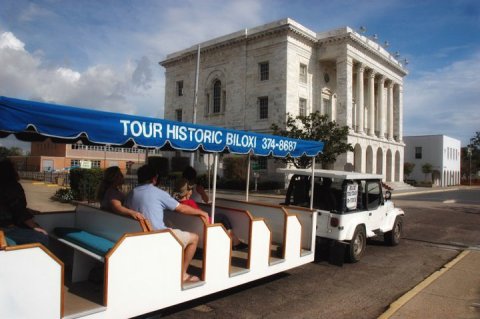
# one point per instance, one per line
(357, 245)
(392, 238)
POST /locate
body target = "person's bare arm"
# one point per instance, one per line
(202, 193)
(33, 225)
(117, 207)
(188, 210)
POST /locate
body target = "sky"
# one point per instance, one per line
(104, 54)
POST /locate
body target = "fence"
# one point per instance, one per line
(60, 178)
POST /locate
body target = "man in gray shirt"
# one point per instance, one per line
(151, 201)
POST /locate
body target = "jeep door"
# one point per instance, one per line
(374, 205)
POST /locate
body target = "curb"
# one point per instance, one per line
(413, 192)
(400, 302)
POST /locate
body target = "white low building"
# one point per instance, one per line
(441, 151)
(251, 79)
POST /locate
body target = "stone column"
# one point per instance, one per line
(400, 113)
(381, 106)
(343, 105)
(390, 111)
(360, 100)
(371, 103)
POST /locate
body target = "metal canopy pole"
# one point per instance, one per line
(195, 100)
(215, 165)
(312, 183)
(248, 178)
(209, 174)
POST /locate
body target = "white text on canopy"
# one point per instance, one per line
(190, 134)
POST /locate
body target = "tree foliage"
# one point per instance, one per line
(475, 141)
(12, 151)
(427, 169)
(316, 127)
(408, 168)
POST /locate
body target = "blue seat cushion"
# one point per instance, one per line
(89, 241)
(10, 242)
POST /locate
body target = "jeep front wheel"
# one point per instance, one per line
(357, 245)
(392, 238)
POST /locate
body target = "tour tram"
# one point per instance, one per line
(113, 266)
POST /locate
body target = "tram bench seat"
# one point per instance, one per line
(95, 231)
(93, 243)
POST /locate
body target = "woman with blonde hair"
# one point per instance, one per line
(110, 194)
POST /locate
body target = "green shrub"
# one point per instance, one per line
(64, 195)
(84, 182)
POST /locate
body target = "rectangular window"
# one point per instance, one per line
(179, 88)
(262, 163)
(373, 195)
(95, 164)
(302, 107)
(74, 162)
(303, 73)
(264, 71)
(178, 115)
(418, 152)
(327, 108)
(263, 107)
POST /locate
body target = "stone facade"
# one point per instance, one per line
(253, 78)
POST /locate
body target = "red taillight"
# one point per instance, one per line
(334, 222)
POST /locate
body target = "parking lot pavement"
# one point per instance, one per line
(451, 292)
(39, 197)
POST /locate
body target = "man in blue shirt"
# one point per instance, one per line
(151, 201)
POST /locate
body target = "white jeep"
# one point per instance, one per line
(351, 207)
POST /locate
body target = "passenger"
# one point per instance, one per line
(198, 195)
(110, 194)
(152, 201)
(16, 220)
(183, 192)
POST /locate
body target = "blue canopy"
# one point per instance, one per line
(32, 121)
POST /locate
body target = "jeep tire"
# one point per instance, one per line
(357, 246)
(392, 238)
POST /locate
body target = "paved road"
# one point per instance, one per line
(437, 227)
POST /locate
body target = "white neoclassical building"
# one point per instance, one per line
(252, 78)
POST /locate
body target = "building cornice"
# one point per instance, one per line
(278, 27)
(347, 34)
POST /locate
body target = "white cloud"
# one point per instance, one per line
(33, 11)
(445, 101)
(190, 22)
(9, 41)
(26, 75)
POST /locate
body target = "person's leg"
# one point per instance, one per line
(189, 242)
(190, 249)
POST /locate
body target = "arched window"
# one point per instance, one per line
(217, 96)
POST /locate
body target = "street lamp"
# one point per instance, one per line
(469, 153)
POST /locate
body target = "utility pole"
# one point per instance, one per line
(469, 152)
